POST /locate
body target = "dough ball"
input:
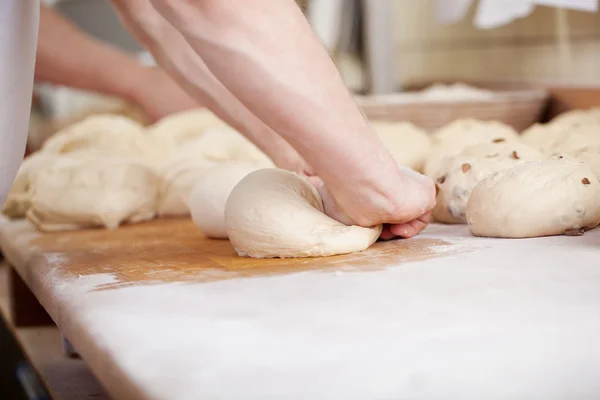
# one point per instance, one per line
(94, 191)
(554, 139)
(408, 144)
(453, 138)
(185, 126)
(18, 200)
(578, 117)
(471, 166)
(176, 182)
(537, 198)
(277, 213)
(226, 144)
(542, 136)
(107, 134)
(591, 159)
(471, 131)
(209, 195)
(191, 161)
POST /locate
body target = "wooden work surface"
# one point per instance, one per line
(159, 312)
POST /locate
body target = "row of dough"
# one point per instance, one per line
(172, 153)
(544, 182)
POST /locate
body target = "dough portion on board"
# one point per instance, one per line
(408, 144)
(553, 138)
(215, 147)
(453, 138)
(108, 134)
(209, 195)
(537, 198)
(93, 191)
(176, 182)
(276, 213)
(18, 199)
(472, 165)
(186, 126)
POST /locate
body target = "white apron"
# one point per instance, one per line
(19, 21)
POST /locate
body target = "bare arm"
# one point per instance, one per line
(174, 54)
(67, 56)
(266, 54)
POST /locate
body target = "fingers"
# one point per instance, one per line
(410, 229)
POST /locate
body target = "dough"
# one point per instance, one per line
(578, 117)
(471, 131)
(554, 139)
(537, 198)
(108, 134)
(176, 182)
(91, 191)
(473, 164)
(209, 195)
(277, 213)
(542, 136)
(226, 144)
(590, 156)
(18, 200)
(408, 144)
(214, 147)
(186, 126)
(451, 139)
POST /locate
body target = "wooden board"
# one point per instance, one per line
(159, 312)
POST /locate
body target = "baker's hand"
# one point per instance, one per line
(412, 203)
(159, 96)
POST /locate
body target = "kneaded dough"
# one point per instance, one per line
(408, 144)
(277, 213)
(554, 139)
(185, 126)
(453, 138)
(209, 194)
(18, 199)
(108, 134)
(191, 161)
(92, 191)
(572, 118)
(472, 165)
(538, 198)
(175, 183)
(226, 144)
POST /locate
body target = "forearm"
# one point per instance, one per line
(67, 56)
(265, 53)
(176, 56)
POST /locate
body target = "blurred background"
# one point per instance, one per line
(382, 46)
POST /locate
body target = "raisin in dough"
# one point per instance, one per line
(451, 139)
(277, 213)
(538, 198)
(209, 195)
(408, 144)
(92, 191)
(473, 164)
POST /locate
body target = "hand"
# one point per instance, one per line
(412, 201)
(158, 95)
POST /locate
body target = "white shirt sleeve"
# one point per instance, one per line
(19, 23)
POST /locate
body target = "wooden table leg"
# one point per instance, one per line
(25, 309)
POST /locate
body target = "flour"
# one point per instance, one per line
(515, 318)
